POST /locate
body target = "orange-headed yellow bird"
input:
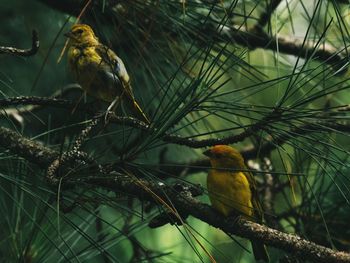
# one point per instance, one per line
(232, 188)
(99, 71)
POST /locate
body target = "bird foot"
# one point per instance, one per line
(108, 115)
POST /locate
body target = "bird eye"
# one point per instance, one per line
(79, 31)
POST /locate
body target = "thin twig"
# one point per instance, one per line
(23, 52)
(249, 153)
(33, 100)
(74, 156)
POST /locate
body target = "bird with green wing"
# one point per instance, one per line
(232, 188)
(99, 71)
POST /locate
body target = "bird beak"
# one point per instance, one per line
(207, 153)
(68, 34)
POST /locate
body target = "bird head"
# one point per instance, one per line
(224, 156)
(81, 34)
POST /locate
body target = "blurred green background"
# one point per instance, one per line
(190, 84)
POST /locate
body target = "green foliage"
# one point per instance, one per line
(195, 82)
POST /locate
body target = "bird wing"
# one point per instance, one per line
(258, 213)
(114, 69)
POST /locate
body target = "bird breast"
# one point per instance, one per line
(229, 191)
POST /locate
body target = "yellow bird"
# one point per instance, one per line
(233, 189)
(99, 71)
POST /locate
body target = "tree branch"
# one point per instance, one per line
(182, 200)
(258, 39)
(265, 16)
(23, 52)
(241, 227)
(132, 122)
(251, 152)
(273, 143)
(254, 38)
(26, 148)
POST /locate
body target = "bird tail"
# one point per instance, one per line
(260, 251)
(135, 107)
(139, 112)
